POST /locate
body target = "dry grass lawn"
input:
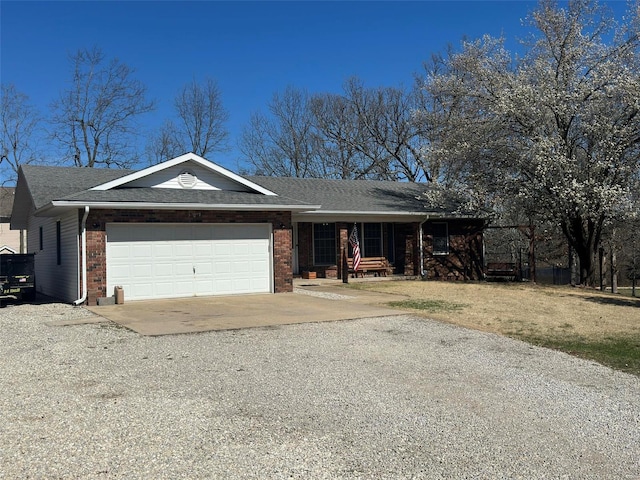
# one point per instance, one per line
(581, 321)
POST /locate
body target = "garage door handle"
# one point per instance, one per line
(194, 270)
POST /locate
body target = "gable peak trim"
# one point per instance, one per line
(187, 157)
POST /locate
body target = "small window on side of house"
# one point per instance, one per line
(440, 239)
(41, 238)
(58, 244)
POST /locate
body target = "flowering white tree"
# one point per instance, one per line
(555, 132)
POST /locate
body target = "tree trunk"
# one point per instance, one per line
(532, 253)
(573, 267)
(584, 236)
(601, 261)
(614, 271)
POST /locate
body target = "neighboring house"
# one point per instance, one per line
(189, 227)
(11, 241)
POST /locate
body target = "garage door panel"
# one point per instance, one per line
(221, 248)
(180, 288)
(164, 288)
(158, 261)
(162, 250)
(163, 269)
(142, 250)
(257, 266)
(142, 270)
(138, 290)
(120, 251)
(120, 271)
(240, 249)
(202, 249)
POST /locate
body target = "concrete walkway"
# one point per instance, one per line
(319, 302)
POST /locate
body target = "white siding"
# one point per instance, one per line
(58, 281)
(206, 179)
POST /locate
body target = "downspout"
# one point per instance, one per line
(83, 234)
(421, 246)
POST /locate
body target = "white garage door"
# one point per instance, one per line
(170, 260)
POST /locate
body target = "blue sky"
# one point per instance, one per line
(252, 49)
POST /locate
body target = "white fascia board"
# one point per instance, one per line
(360, 212)
(187, 157)
(64, 204)
(318, 216)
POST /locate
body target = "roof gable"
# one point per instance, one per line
(189, 172)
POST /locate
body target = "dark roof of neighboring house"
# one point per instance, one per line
(6, 202)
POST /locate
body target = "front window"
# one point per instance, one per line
(372, 239)
(440, 239)
(324, 243)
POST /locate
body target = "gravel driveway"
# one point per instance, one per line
(394, 397)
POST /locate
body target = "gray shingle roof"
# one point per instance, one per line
(365, 196)
(70, 184)
(54, 183)
(6, 202)
(171, 195)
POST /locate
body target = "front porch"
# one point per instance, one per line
(435, 249)
(322, 247)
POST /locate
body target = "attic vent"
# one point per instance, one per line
(187, 179)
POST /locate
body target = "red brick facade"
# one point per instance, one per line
(465, 258)
(96, 244)
(463, 262)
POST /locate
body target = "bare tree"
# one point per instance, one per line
(336, 122)
(20, 120)
(285, 143)
(165, 144)
(388, 135)
(94, 120)
(203, 117)
(365, 133)
(200, 126)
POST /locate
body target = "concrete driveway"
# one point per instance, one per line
(200, 314)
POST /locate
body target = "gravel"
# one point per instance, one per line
(327, 295)
(394, 397)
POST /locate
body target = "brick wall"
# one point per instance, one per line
(465, 258)
(305, 246)
(96, 245)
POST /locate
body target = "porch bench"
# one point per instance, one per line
(376, 265)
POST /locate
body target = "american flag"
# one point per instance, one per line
(355, 244)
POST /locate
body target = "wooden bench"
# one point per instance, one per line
(376, 265)
(502, 269)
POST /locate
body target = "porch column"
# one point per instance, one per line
(343, 239)
(411, 251)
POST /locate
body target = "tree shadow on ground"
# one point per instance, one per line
(40, 299)
(617, 301)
